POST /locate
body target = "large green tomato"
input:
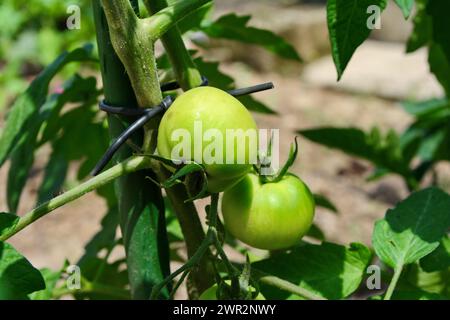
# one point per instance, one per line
(271, 216)
(211, 293)
(204, 124)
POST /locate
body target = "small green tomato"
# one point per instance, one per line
(271, 216)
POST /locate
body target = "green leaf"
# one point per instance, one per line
(74, 90)
(194, 20)
(54, 177)
(8, 222)
(26, 107)
(424, 108)
(324, 202)
(413, 228)
(254, 105)
(104, 238)
(173, 226)
(428, 138)
(438, 10)
(316, 233)
(406, 7)
(220, 80)
(51, 278)
(329, 270)
(439, 65)
(114, 275)
(347, 26)
(415, 278)
(383, 151)
(21, 161)
(233, 27)
(422, 32)
(439, 259)
(215, 77)
(18, 277)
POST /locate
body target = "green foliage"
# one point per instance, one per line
(32, 38)
(406, 7)
(51, 279)
(7, 222)
(413, 228)
(439, 65)
(441, 24)
(347, 26)
(324, 202)
(435, 283)
(329, 270)
(439, 259)
(18, 277)
(235, 27)
(385, 152)
(25, 110)
(422, 32)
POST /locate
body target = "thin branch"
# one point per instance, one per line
(131, 165)
(184, 68)
(393, 283)
(160, 22)
(192, 262)
(289, 287)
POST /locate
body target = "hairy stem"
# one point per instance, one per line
(131, 165)
(184, 68)
(289, 287)
(202, 275)
(130, 42)
(191, 263)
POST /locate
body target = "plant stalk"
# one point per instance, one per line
(141, 206)
(187, 74)
(393, 283)
(131, 165)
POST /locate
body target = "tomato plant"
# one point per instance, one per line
(153, 101)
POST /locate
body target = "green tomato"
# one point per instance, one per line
(211, 293)
(270, 216)
(195, 128)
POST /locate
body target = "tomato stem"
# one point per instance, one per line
(393, 283)
(128, 166)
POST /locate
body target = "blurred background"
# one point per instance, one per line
(379, 77)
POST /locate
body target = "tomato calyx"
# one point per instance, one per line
(241, 287)
(190, 173)
(283, 171)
